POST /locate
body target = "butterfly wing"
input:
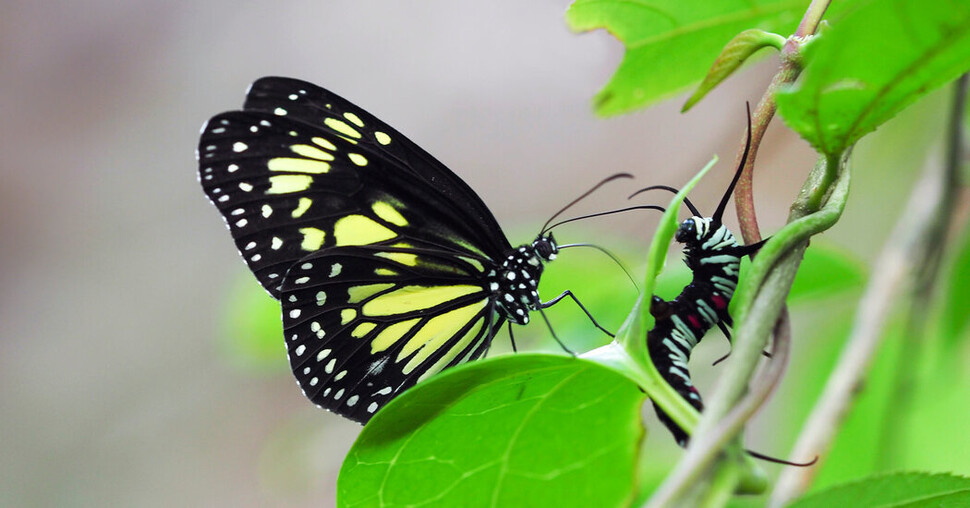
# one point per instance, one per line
(363, 323)
(300, 169)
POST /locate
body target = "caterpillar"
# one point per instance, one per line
(713, 255)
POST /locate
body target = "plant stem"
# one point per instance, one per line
(914, 243)
(789, 70)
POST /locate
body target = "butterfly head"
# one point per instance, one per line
(545, 247)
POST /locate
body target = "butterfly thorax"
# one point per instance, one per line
(515, 282)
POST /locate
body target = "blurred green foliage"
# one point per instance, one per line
(252, 328)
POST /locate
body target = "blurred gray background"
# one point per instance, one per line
(114, 269)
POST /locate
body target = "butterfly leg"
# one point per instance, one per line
(548, 324)
(550, 303)
(512, 338)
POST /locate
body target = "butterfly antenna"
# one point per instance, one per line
(737, 174)
(608, 253)
(690, 206)
(587, 193)
(768, 458)
(600, 214)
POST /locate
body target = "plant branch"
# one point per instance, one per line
(790, 68)
(914, 242)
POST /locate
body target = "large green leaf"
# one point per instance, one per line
(912, 490)
(671, 44)
(871, 64)
(520, 430)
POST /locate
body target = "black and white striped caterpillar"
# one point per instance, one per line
(714, 258)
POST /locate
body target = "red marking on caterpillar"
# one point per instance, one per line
(719, 301)
(696, 323)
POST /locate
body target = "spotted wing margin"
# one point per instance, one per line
(364, 323)
(287, 188)
(319, 107)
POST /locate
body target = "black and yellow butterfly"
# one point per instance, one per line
(389, 268)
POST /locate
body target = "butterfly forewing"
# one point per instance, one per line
(316, 106)
(288, 187)
(365, 323)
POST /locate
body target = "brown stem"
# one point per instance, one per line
(787, 73)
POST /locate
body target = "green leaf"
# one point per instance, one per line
(741, 47)
(955, 317)
(670, 44)
(871, 64)
(826, 271)
(520, 430)
(897, 490)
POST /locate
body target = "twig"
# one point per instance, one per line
(905, 252)
(765, 110)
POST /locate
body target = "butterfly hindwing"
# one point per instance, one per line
(363, 323)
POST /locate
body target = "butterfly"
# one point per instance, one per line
(388, 267)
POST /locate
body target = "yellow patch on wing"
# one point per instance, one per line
(357, 159)
(415, 299)
(312, 238)
(474, 262)
(391, 334)
(385, 272)
(341, 127)
(435, 333)
(354, 119)
(357, 294)
(347, 315)
(301, 207)
(382, 138)
(324, 143)
(362, 329)
(288, 184)
(312, 152)
(360, 230)
(453, 351)
(400, 257)
(388, 213)
(294, 165)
